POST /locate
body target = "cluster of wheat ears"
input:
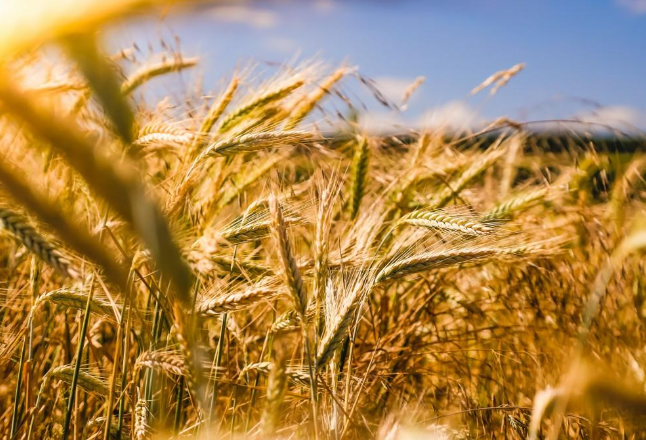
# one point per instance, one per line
(219, 266)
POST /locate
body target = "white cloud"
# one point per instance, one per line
(382, 122)
(245, 14)
(634, 6)
(392, 87)
(281, 44)
(455, 115)
(620, 117)
(325, 5)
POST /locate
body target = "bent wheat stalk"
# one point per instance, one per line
(74, 235)
(152, 70)
(117, 181)
(447, 258)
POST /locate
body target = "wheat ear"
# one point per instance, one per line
(446, 258)
(359, 173)
(75, 236)
(456, 186)
(255, 142)
(140, 429)
(251, 227)
(500, 78)
(153, 70)
(205, 264)
(171, 363)
(87, 381)
(339, 324)
(287, 322)
(256, 103)
(76, 300)
(162, 133)
(234, 146)
(305, 107)
(289, 267)
(297, 376)
(325, 213)
(100, 421)
(235, 301)
(518, 203)
(36, 243)
(443, 221)
(276, 388)
(214, 113)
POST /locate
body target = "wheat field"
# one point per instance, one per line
(242, 263)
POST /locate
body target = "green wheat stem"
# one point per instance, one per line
(77, 365)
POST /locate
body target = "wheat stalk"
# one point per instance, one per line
(76, 236)
(112, 179)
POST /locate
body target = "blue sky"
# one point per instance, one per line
(583, 57)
